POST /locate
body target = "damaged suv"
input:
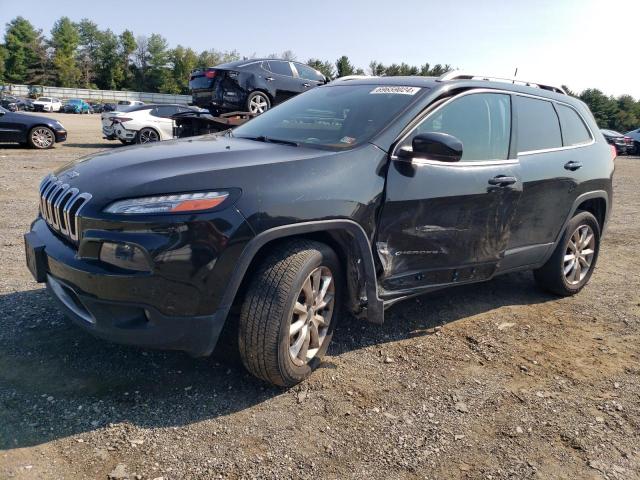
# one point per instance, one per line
(348, 198)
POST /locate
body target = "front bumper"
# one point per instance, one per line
(176, 305)
(61, 135)
(139, 325)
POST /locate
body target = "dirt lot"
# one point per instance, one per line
(497, 380)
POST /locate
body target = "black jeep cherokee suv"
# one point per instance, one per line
(349, 197)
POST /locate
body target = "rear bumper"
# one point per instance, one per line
(138, 325)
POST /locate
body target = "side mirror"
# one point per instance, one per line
(438, 146)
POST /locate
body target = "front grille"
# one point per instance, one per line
(60, 206)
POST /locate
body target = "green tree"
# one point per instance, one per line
(157, 76)
(109, 73)
(89, 43)
(604, 108)
(376, 68)
(65, 39)
(19, 41)
(3, 58)
(184, 60)
(211, 58)
(344, 67)
(325, 67)
(128, 46)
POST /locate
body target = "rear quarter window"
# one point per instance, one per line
(574, 131)
(538, 125)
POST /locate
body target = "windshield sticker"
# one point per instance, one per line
(396, 90)
(348, 140)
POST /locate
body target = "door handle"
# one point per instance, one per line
(502, 181)
(573, 166)
(269, 79)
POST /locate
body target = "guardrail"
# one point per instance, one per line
(104, 96)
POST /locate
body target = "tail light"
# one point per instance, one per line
(210, 74)
(614, 154)
(119, 119)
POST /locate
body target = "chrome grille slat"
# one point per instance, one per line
(60, 205)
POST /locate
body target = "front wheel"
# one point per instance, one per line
(572, 262)
(289, 312)
(258, 103)
(41, 138)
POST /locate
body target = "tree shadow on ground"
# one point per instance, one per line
(56, 380)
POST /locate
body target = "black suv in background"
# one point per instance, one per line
(350, 197)
(251, 85)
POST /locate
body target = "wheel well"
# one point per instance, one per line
(597, 207)
(341, 242)
(262, 90)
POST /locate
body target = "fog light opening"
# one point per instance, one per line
(124, 255)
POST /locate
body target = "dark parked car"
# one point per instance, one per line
(635, 136)
(96, 107)
(36, 131)
(622, 143)
(251, 85)
(16, 104)
(352, 196)
(109, 107)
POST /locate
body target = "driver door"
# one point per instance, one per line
(445, 223)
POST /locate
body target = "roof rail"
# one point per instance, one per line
(461, 75)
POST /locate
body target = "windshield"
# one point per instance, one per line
(335, 117)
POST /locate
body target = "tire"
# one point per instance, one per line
(41, 138)
(147, 135)
(258, 102)
(560, 274)
(267, 349)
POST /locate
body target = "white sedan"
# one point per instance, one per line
(47, 104)
(141, 124)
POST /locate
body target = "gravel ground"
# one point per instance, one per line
(496, 380)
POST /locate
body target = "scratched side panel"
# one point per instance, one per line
(444, 224)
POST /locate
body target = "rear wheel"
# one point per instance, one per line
(41, 138)
(289, 312)
(147, 135)
(258, 102)
(572, 263)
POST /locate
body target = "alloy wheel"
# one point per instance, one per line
(258, 104)
(312, 314)
(579, 254)
(147, 136)
(42, 137)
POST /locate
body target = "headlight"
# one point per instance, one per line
(186, 202)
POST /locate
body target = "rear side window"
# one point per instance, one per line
(538, 125)
(280, 67)
(308, 73)
(164, 111)
(481, 121)
(574, 131)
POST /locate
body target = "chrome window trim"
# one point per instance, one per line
(437, 106)
(479, 163)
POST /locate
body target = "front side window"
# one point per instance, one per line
(574, 131)
(538, 125)
(281, 68)
(481, 121)
(332, 117)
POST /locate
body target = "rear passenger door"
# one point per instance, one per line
(162, 118)
(551, 168)
(285, 83)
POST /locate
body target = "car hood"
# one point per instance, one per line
(209, 162)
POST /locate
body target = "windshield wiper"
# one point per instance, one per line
(264, 138)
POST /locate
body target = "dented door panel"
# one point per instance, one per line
(444, 223)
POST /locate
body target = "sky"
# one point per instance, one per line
(579, 43)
